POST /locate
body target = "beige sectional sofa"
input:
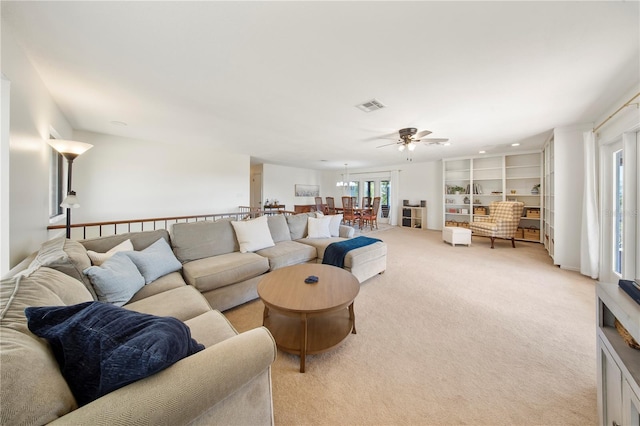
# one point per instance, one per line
(228, 382)
(226, 277)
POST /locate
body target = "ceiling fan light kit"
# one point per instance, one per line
(409, 137)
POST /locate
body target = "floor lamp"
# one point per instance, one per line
(69, 150)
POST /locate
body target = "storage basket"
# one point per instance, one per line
(519, 233)
(480, 211)
(533, 213)
(531, 234)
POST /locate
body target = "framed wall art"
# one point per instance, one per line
(307, 190)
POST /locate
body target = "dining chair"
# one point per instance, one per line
(348, 215)
(319, 206)
(370, 215)
(366, 202)
(331, 206)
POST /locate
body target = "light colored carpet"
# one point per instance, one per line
(451, 335)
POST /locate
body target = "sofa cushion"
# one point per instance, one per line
(198, 240)
(33, 391)
(67, 256)
(155, 261)
(365, 254)
(116, 280)
(164, 283)
(183, 302)
(210, 328)
(219, 271)
(101, 347)
(253, 235)
(279, 228)
(320, 244)
(287, 253)
(44, 287)
(98, 259)
(298, 225)
(318, 227)
(140, 240)
(29, 370)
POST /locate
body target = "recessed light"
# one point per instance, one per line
(515, 144)
(119, 123)
(446, 143)
(482, 152)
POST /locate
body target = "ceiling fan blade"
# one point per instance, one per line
(387, 144)
(422, 134)
(434, 140)
(393, 136)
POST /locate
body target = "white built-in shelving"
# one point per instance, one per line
(482, 180)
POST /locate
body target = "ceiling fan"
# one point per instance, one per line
(409, 137)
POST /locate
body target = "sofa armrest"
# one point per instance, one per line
(187, 389)
(346, 231)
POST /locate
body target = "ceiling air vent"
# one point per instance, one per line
(371, 105)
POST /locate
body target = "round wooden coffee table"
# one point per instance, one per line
(308, 318)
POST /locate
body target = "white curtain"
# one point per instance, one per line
(590, 234)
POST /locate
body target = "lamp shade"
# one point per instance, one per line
(70, 201)
(69, 148)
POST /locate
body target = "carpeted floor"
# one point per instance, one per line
(448, 336)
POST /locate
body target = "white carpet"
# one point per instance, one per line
(451, 335)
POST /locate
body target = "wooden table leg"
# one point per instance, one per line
(303, 342)
(352, 317)
(265, 314)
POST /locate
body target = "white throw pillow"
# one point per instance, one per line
(319, 227)
(98, 259)
(334, 225)
(253, 234)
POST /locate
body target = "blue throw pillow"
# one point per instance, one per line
(116, 280)
(155, 261)
(101, 347)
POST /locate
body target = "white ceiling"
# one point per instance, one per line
(280, 80)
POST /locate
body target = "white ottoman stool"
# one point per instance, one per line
(456, 235)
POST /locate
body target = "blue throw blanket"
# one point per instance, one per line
(335, 252)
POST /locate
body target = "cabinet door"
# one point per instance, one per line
(630, 406)
(611, 389)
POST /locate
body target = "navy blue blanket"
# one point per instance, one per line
(335, 252)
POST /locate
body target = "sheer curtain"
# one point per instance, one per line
(590, 234)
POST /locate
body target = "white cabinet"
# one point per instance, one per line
(618, 363)
(481, 180)
(414, 217)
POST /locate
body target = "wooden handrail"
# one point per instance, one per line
(161, 222)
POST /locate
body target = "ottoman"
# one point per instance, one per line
(456, 235)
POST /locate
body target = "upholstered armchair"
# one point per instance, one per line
(503, 220)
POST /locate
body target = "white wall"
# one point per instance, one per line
(278, 183)
(33, 115)
(423, 181)
(122, 178)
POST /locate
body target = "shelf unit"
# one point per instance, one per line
(493, 178)
(457, 173)
(414, 217)
(618, 363)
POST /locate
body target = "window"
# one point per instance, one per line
(618, 230)
(56, 182)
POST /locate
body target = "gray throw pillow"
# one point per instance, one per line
(278, 228)
(155, 261)
(116, 280)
